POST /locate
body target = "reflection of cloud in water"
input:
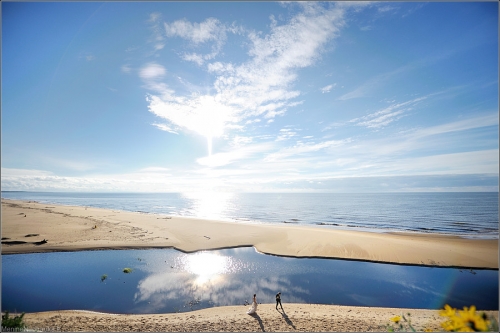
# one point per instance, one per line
(427, 290)
(232, 289)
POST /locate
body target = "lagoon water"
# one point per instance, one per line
(468, 214)
(167, 280)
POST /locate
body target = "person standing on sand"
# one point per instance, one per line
(278, 301)
(253, 308)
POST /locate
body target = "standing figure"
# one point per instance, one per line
(253, 308)
(278, 301)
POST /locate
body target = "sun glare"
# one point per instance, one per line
(210, 204)
(206, 266)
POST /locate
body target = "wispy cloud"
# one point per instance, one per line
(158, 39)
(126, 68)
(328, 88)
(386, 116)
(87, 56)
(482, 120)
(387, 8)
(152, 71)
(426, 140)
(165, 128)
(304, 148)
(210, 30)
(370, 86)
(285, 134)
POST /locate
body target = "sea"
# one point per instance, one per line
(465, 214)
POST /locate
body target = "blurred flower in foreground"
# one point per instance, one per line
(402, 323)
(467, 320)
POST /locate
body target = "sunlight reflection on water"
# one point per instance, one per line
(206, 266)
(211, 205)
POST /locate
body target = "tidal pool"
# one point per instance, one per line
(166, 280)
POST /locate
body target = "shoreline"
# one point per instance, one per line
(77, 228)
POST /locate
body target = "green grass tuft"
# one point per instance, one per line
(104, 277)
(127, 270)
(16, 322)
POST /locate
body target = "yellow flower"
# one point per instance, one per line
(448, 311)
(471, 319)
(396, 319)
(466, 320)
(428, 330)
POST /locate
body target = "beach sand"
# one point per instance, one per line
(73, 228)
(67, 228)
(297, 318)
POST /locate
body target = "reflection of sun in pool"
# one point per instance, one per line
(206, 265)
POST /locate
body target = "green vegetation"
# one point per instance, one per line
(16, 322)
(104, 277)
(127, 270)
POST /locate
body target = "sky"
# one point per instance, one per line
(250, 96)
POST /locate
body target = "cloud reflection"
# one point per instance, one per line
(163, 289)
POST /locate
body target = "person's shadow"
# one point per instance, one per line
(288, 321)
(256, 316)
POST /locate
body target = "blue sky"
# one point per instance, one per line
(250, 96)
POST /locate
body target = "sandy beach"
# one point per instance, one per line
(25, 226)
(296, 318)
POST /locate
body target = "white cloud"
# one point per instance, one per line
(258, 87)
(210, 29)
(328, 88)
(239, 141)
(203, 114)
(197, 58)
(285, 134)
(152, 71)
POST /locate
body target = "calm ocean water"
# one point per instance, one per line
(465, 214)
